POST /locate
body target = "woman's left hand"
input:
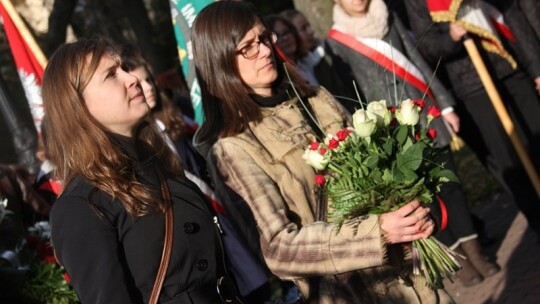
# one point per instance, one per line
(409, 223)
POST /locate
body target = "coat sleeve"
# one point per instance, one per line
(291, 250)
(433, 39)
(526, 46)
(531, 9)
(88, 248)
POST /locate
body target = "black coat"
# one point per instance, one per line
(115, 258)
(531, 9)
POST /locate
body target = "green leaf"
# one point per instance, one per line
(410, 159)
(387, 176)
(425, 197)
(401, 134)
(387, 148)
(372, 161)
(435, 171)
(408, 143)
(404, 176)
(447, 176)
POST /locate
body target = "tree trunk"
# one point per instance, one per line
(319, 14)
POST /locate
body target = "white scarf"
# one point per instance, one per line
(374, 24)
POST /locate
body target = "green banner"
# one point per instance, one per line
(183, 14)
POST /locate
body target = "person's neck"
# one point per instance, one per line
(277, 96)
(264, 92)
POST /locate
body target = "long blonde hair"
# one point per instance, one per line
(80, 146)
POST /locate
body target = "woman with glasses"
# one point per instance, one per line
(254, 135)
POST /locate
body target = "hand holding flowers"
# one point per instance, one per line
(387, 165)
(408, 223)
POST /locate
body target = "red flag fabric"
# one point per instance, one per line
(28, 67)
(443, 10)
(440, 5)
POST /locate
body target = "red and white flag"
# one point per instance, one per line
(30, 61)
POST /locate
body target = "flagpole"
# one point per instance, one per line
(25, 33)
(504, 117)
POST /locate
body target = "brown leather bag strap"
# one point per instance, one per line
(167, 246)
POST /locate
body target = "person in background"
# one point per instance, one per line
(168, 117)
(319, 60)
(480, 126)
(254, 136)
(289, 45)
(363, 28)
(119, 180)
(522, 20)
(531, 9)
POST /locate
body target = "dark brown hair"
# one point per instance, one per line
(164, 110)
(79, 145)
(271, 21)
(215, 35)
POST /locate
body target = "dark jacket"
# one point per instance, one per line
(435, 43)
(334, 75)
(376, 83)
(527, 45)
(114, 258)
(531, 9)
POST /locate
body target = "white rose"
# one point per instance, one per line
(315, 159)
(384, 116)
(364, 123)
(408, 113)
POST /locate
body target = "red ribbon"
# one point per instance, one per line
(444, 214)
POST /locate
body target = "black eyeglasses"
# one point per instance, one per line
(251, 51)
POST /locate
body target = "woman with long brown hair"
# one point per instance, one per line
(119, 180)
(255, 133)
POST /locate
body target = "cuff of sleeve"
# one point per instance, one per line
(447, 110)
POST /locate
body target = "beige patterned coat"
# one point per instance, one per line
(264, 166)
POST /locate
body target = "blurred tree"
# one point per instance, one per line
(319, 14)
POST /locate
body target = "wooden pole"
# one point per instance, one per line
(25, 33)
(504, 117)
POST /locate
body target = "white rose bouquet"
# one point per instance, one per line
(386, 161)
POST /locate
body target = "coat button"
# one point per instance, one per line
(202, 265)
(190, 228)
